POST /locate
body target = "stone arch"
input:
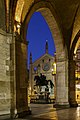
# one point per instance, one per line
(76, 26)
(72, 63)
(61, 51)
(52, 20)
(74, 43)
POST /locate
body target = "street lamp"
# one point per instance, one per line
(54, 74)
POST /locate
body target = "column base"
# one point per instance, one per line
(24, 113)
(20, 114)
(73, 104)
(61, 105)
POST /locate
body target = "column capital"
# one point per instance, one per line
(20, 39)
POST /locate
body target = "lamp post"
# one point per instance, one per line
(54, 74)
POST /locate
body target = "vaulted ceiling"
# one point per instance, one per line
(66, 13)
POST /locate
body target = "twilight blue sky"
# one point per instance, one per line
(37, 34)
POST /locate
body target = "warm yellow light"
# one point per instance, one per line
(19, 9)
(77, 74)
(77, 85)
(29, 88)
(54, 68)
(18, 25)
(77, 44)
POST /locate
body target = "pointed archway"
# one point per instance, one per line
(61, 50)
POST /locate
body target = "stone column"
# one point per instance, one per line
(61, 83)
(21, 77)
(18, 78)
(13, 110)
(72, 98)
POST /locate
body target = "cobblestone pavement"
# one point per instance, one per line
(47, 112)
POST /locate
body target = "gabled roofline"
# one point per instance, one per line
(46, 54)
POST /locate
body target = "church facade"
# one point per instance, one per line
(45, 65)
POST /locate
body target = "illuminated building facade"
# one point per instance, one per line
(46, 66)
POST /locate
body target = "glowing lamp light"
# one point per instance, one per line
(52, 70)
(18, 25)
(29, 88)
(78, 86)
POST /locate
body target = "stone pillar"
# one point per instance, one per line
(18, 78)
(61, 83)
(13, 110)
(72, 98)
(21, 77)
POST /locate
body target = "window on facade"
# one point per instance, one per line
(35, 69)
(49, 60)
(43, 61)
(38, 65)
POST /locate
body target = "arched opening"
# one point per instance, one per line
(61, 54)
(37, 34)
(41, 62)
